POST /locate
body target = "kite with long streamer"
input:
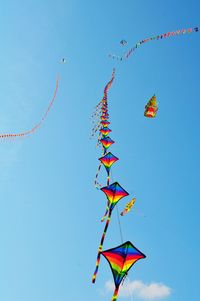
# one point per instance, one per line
(157, 37)
(107, 160)
(121, 259)
(38, 125)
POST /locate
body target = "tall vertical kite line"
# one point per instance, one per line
(104, 139)
(101, 114)
(114, 192)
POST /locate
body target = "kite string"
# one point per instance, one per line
(128, 285)
(119, 224)
(118, 216)
(104, 103)
(47, 110)
(52, 101)
(31, 131)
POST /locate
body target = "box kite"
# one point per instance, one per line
(151, 108)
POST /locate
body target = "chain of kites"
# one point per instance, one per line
(124, 256)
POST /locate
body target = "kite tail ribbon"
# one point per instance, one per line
(108, 180)
(101, 247)
(96, 183)
(156, 37)
(105, 214)
(34, 129)
(109, 84)
(115, 295)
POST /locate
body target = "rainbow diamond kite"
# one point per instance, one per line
(121, 259)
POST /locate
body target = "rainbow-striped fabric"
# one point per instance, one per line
(105, 123)
(108, 161)
(105, 131)
(151, 108)
(103, 117)
(121, 260)
(106, 142)
(114, 193)
(128, 207)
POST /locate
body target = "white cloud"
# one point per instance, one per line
(140, 290)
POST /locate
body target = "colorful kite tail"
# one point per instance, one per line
(106, 212)
(97, 266)
(156, 37)
(101, 248)
(115, 295)
(34, 129)
(96, 183)
(108, 180)
(109, 84)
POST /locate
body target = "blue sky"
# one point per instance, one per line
(49, 208)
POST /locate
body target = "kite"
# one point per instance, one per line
(114, 193)
(106, 142)
(151, 108)
(121, 259)
(35, 128)
(105, 131)
(128, 207)
(157, 37)
(63, 60)
(108, 161)
(123, 42)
